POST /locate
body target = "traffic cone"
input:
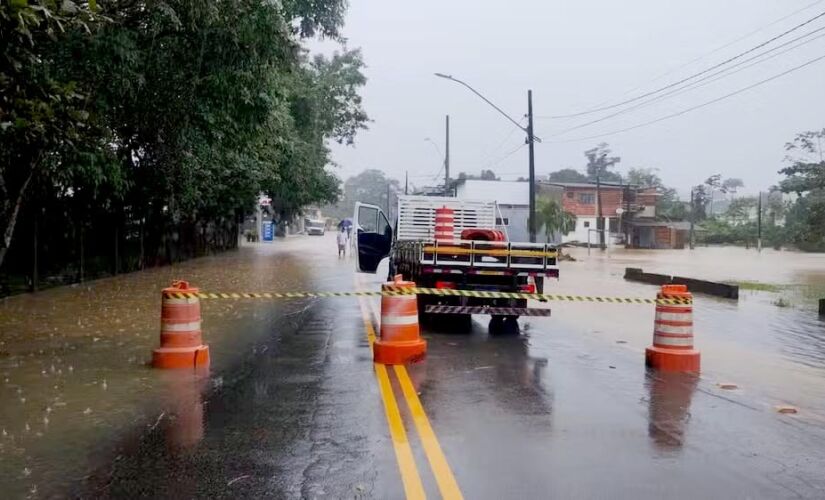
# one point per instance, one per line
(444, 221)
(672, 348)
(181, 343)
(400, 340)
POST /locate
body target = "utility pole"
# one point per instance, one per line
(531, 138)
(406, 181)
(759, 223)
(599, 218)
(532, 161)
(447, 157)
(692, 218)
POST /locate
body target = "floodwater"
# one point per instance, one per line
(75, 386)
(74, 378)
(779, 349)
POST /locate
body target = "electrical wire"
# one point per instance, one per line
(671, 85)
(708, 79)
(698, 106)
(714, 51)
(509, 154)
(495, 150)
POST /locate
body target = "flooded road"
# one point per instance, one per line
(291, 407)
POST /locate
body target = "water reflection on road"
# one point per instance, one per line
(74, 379)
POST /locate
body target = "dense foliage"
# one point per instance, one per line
(173, 115)
(805, 220)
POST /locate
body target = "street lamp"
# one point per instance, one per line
(530, 140)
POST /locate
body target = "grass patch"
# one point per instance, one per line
(757, 286)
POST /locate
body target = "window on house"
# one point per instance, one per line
(613, 225)
(502, 221)
(587, 198)
(570, 194)
(586, 223)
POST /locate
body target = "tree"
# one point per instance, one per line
(485, 175)
(775, 206)
(668, 204)
(805, 219)
(43, 112)
(369, 186)
(739, 209)
(700, 202)
(170, 115)
(807, 170)
(553, 218)
(713, 183)
(644, 177)
(599, 162)
(567, 175)
(732, 184)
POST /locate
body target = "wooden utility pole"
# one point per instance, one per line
(759, 223)
(599, 218)
(532, 167)
(692, 218)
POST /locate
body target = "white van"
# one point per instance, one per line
(315, 227)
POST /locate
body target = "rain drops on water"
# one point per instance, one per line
(104, 384)
(87, 411)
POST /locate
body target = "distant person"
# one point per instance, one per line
(342, 242)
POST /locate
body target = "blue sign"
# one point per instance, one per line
(268, 230)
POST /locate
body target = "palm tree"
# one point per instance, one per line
(553, 218)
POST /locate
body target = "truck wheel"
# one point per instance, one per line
(504, 325)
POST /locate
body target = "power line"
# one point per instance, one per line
(708, 79)
(692, 108)
(504, 141)
(509, 154)
(717, 49)
(660, 89)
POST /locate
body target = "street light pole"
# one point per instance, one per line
(531, 138)
(532, 176)
(447, 158)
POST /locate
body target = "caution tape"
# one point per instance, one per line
(445, 292)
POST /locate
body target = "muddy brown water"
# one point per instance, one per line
(74, 378)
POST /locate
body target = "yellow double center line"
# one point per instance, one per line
(413, 487)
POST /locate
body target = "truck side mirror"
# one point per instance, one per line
(373, 239)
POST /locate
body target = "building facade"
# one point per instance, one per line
(621, 204)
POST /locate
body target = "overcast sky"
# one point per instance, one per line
(576, 55)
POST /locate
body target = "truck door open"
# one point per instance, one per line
(373, 237)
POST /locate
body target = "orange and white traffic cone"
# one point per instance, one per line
(181, 342)
(672, 348)
(400, 341)
(444, 221)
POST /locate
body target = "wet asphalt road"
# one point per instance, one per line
(560, 411)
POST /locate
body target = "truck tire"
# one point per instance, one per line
(504, 325)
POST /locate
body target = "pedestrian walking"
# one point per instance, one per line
(341, 237)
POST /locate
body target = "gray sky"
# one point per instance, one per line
(576, 55)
